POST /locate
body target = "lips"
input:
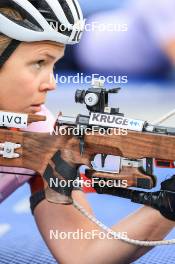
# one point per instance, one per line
(37, 105)
(36, 108)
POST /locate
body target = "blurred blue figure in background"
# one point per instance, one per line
(142, 43)
(90, 7)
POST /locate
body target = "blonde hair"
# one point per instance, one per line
(4, 40)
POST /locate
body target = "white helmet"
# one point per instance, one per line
(55, 20)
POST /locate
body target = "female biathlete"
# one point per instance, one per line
(29, 48)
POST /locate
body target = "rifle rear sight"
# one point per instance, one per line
(96, 98)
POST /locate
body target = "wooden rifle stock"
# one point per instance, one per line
(38, 148)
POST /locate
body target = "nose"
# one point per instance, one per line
(49, 84)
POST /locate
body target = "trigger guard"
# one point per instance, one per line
(108, 167)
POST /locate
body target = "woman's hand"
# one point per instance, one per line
(59, 179)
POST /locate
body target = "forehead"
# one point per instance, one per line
(37, 48)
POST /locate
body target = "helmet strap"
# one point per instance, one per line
(8, 51)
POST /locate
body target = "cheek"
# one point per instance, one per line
(17, 88)
(28, 84)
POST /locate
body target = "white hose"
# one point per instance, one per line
(164, 118)
(117, 235)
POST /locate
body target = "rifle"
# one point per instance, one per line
(134, 165)
(138, 150)
(143, 144)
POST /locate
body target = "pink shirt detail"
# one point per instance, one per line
(10, 182)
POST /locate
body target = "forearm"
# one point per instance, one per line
(64, 218)
(145, 224)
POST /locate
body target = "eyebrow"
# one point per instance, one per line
(52, 57)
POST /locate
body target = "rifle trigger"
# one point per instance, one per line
(103, 158)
